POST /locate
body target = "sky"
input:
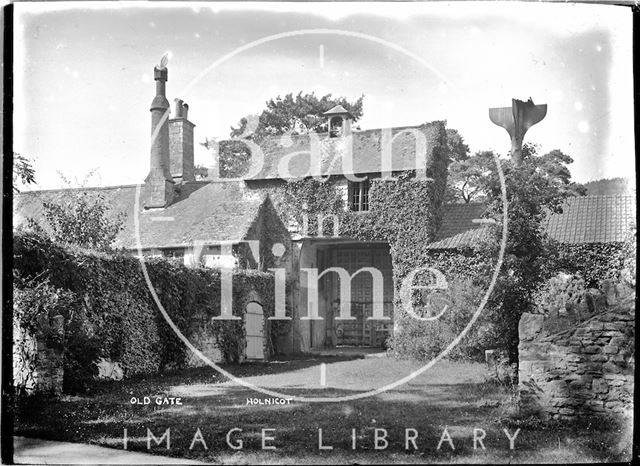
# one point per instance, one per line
(83, 75)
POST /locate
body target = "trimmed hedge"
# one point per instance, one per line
(113, 307)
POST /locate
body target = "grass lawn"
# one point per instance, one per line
(454, 396)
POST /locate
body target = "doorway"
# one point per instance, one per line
(352, 257)
(254, 326)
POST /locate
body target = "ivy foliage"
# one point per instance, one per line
(403, 211)
(536, 188)
(302, 201)
(596, 262)
(399, 208)
(109, 308)
(35, 308)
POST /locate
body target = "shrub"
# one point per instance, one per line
(423, 340)
(114, 315)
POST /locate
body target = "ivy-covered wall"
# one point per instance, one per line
(109, 311)
(404, 212)
(466, 272)
(405, 208)
(594, 262)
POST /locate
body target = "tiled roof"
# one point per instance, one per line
(585, 219)
(593, 219)
(365, 145)
(458, 228)
(209, 212)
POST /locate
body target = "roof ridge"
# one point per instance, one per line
(273, 137)
(103, 188)
(89, 188)
(604, 196)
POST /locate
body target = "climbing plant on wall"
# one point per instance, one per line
(109, 305)
(404, 211)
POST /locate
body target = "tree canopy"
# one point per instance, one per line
(469, 177)
(458, 150)
(300, 114)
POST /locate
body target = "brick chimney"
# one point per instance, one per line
(158, 187)
(181, 144)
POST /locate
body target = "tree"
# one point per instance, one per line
(301, 114)
(458, 150)
(23, 171)
(468, 176)
(80, 217)
(534, 190)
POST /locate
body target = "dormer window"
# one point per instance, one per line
(359, 196)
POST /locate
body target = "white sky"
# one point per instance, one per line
(83, 74)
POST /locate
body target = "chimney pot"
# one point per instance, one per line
(181, 144)
(178, 111)
(160, 74)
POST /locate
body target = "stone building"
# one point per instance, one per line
(231, 223)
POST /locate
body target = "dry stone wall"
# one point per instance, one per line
(580, 361)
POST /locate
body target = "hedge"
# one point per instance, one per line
(590, 264)
(112, 313)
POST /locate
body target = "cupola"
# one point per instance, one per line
(338, 121)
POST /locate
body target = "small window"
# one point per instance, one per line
(359, 196)
(335, 127)
(173, 253)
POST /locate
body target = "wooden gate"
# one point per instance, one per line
(254, 326)
(358, 332)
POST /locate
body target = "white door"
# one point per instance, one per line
(254, 327)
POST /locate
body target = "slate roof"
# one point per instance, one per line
(203, 211)
(224, 211)
(584, 219)
(366, 150)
